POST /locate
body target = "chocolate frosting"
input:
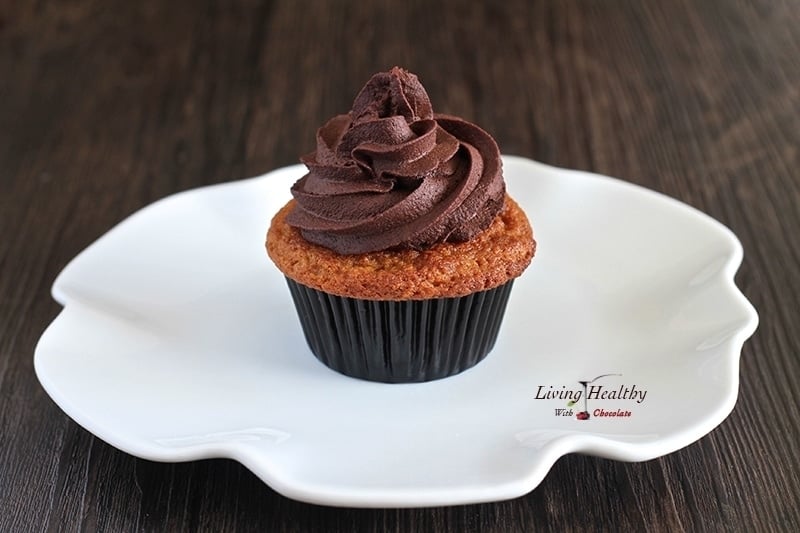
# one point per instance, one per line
(392, 174)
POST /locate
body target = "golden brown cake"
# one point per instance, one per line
(447, 270)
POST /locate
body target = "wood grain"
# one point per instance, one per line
(106, 106)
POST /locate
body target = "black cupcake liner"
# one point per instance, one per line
(400, 341)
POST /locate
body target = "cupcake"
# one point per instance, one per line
(400, 245)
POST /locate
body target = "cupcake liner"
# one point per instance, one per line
(400, 341)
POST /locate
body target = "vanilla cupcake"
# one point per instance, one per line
(400, 245)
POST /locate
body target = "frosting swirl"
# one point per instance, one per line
(391, 174)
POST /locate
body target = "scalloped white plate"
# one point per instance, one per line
(178, 341)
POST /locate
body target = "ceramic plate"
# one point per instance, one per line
(178, 341)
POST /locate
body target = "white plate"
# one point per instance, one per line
(178, 341)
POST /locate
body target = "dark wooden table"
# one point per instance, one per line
(106, 106)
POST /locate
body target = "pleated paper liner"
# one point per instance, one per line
(400, 341)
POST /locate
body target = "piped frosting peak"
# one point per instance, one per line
(391, 174)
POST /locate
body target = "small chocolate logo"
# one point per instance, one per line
(591, 391)
(584, 415)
